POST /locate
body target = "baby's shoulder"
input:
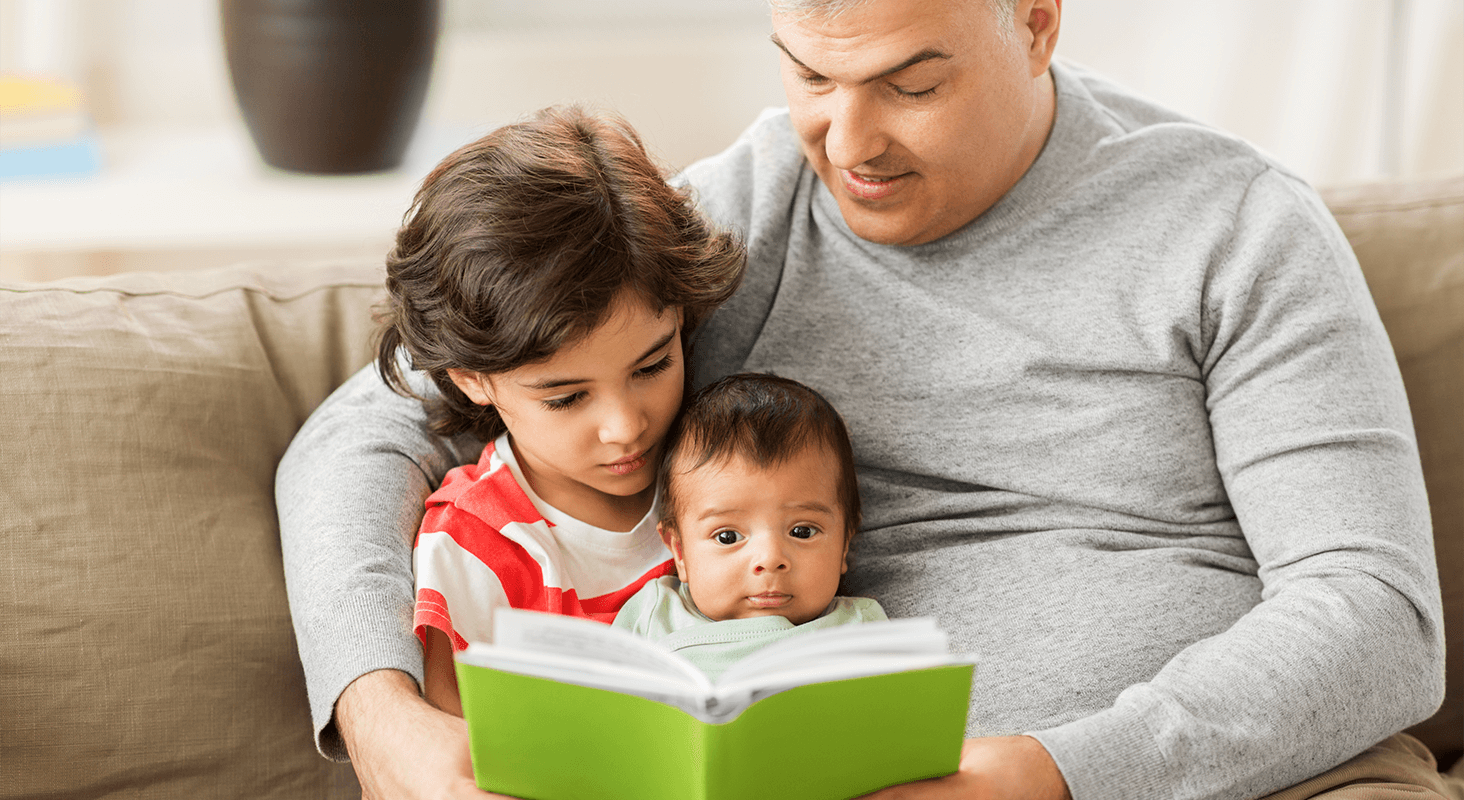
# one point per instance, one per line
(858, 609)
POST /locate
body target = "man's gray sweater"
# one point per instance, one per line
(1135, 436)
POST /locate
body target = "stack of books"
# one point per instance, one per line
(44, 129)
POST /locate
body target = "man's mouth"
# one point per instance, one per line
(872, 187)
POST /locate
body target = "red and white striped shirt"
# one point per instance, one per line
(488, 541)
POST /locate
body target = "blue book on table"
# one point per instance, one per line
(76, 157)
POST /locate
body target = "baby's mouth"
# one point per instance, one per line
(770, 599)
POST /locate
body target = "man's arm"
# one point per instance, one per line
(350, 493)
(1314, 442)
(992, 768)
(400, 745)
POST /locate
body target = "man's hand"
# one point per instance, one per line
(402, 747)
(995, 768)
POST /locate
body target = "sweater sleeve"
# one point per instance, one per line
(350, 493)
(1315, 445)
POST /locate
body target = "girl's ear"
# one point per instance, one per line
(473, 384)
(673, 543)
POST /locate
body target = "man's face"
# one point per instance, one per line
(918, 115)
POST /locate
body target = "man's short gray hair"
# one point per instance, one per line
(1005, 9)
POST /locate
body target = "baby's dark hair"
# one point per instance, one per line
(517, 244)
(764, 419)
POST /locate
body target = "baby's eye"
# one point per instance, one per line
(727, 537)
(803, 531)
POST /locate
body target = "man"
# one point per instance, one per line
(1127, 425)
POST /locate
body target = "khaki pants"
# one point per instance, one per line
(1397, 768)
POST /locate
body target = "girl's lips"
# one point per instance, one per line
(627, 465)
(867, 187)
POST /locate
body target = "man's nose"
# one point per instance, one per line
(855, 135)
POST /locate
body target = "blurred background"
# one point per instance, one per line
(1342, 91)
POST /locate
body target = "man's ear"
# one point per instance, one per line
(473, 384)
(1041, 19)
(672, 540)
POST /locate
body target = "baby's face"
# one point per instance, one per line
(757, 542)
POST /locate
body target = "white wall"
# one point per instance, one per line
(1340, 90)
(1306, 79)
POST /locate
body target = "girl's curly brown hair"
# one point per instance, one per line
(517, 244)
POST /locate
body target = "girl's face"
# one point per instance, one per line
(586, 425)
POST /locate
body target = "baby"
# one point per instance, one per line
(759, 503)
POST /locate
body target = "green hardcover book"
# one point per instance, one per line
(566, 709)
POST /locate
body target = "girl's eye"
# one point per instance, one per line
(727, 537)
(562, 403)
(803, 531)
(655, 369)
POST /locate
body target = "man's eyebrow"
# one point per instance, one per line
(555, 383)
(928, 54)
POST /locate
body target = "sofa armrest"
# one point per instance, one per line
(152, 649)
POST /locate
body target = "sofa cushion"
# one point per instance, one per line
(1409, 238)
(150, 647)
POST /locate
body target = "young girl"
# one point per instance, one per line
(548, 281)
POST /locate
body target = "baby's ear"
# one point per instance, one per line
(672, 540)
(473, 384)
(844, 559)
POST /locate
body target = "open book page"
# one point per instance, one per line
(533, 637)
(586, 653)
(833, 654)
(873, 639)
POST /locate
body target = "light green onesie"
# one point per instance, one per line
(663, 611)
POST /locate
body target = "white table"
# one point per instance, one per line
(169, 199)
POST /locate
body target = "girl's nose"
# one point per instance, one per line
(623, 423)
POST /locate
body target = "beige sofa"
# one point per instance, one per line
(149, 650)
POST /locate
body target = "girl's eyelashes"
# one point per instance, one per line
(803, 532)
(562, 403)
(652, 370)
(727, 537)
(644, 373)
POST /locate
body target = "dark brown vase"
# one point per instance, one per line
(331, 86)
